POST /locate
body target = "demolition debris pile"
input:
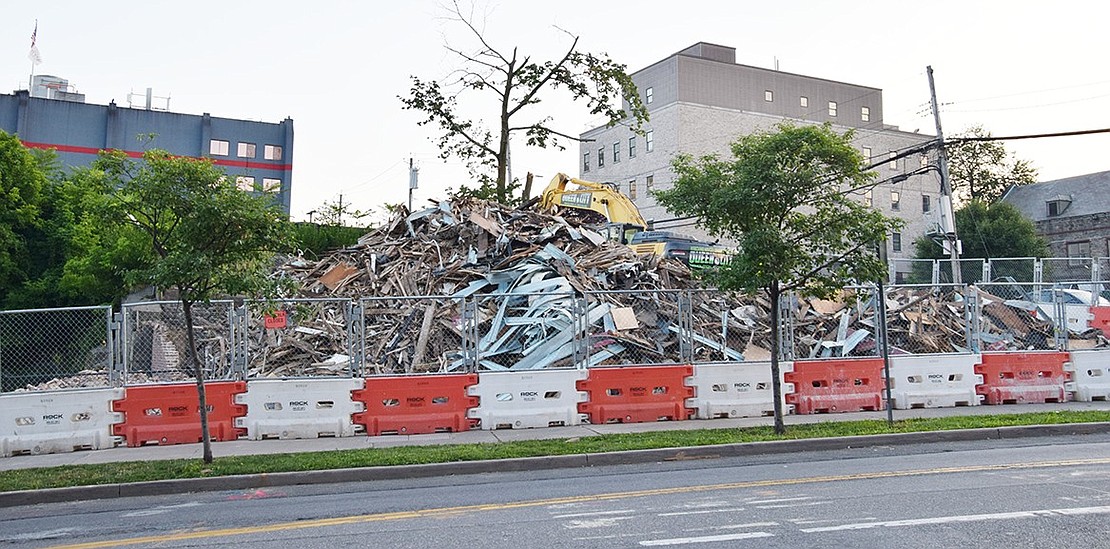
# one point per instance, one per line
(472, 282)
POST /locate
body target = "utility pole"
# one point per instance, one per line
(947, 219)
(339, 213)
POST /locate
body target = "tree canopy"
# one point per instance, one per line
(781, 198)
(987, 231)
(206, 237)
(506, 83)
(984, 170)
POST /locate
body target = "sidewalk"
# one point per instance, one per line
(265, 447)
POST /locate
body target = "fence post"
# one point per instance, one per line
(240, 347)
(685, 327)
(356, 337)
(1038, 271)
(972, 317)
(115, 348)
(936, 272)
(786, 326)
(986, 271)
(1060, 324)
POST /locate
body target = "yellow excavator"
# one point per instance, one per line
(603, 206)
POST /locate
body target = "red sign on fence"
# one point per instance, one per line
(276, 321)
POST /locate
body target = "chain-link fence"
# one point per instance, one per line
(971, 271)
(1018, 316)
(298, 338)
(634, 327)
(156, 345)
(47, 349)
(927, 319)
(728, 327)
(1014, 269)
(912, 271)
(406, 335)
(829, 328)
(1067, 269)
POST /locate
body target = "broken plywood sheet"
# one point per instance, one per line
(625, 318)
(334, 277)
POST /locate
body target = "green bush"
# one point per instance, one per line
(317, 240)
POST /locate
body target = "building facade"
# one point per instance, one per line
(700, 100)
(1071, 214)
(258, 154)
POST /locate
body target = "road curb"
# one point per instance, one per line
(630, 457)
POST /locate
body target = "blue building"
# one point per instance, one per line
(258, 154)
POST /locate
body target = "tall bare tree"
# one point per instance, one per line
(510, 81)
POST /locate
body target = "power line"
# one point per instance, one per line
(957, 140)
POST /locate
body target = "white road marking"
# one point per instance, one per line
(45, 534)
(788, 505)
(748, 525)
(160, 510)
(678, 513)
(595, 513)
(762, 501)
(705, 539)
(1076, 511)
(596, 523)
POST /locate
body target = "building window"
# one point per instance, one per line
(649, 140)
(632, 189)
(632, 147)
(867, 154)
(804, 102)
(649, 95)
(217, 147)
(895, 200)
(865, 114)
(1057, 205)
(601, 157)
(768, 96)
(245, 183)
(246, 150)
(271, 185)
(649, 183)
(893, 163)
(271, 152)
(1078, 250)
(616, 152)
(926, 205)
(585, 161)
(896, 242)
(832, 108)
(869, 198)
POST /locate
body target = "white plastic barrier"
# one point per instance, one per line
(58, 421)
(934, 381)
(526, 400)
(299, 408)
(1090, 375)
(737, 389)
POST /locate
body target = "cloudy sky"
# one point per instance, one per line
(337, 67)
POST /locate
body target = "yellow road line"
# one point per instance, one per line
(445, 511)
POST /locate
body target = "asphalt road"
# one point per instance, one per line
(1043, 492)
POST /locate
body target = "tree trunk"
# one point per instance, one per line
(198, 371)
(776, 385)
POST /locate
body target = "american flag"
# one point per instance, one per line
(34, 54)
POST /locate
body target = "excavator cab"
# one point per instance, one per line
(622, 233)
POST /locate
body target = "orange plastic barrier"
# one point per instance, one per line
(637, 394)
(1026, 377)
(411, 405)
(836, 385)
(169, 414)
(1100, 318)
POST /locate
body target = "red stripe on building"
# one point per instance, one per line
(136, 154)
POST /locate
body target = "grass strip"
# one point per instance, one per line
(138, 471)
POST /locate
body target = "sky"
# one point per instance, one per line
(337, 68)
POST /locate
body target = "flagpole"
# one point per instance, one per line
(31, 54)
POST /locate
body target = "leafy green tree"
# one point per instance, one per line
(206, 237)
(781, 199)
(984, 170)
(508, 83)
(989, 231)
(22, 179)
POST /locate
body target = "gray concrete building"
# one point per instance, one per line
(1072, 214)
(700, 100)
